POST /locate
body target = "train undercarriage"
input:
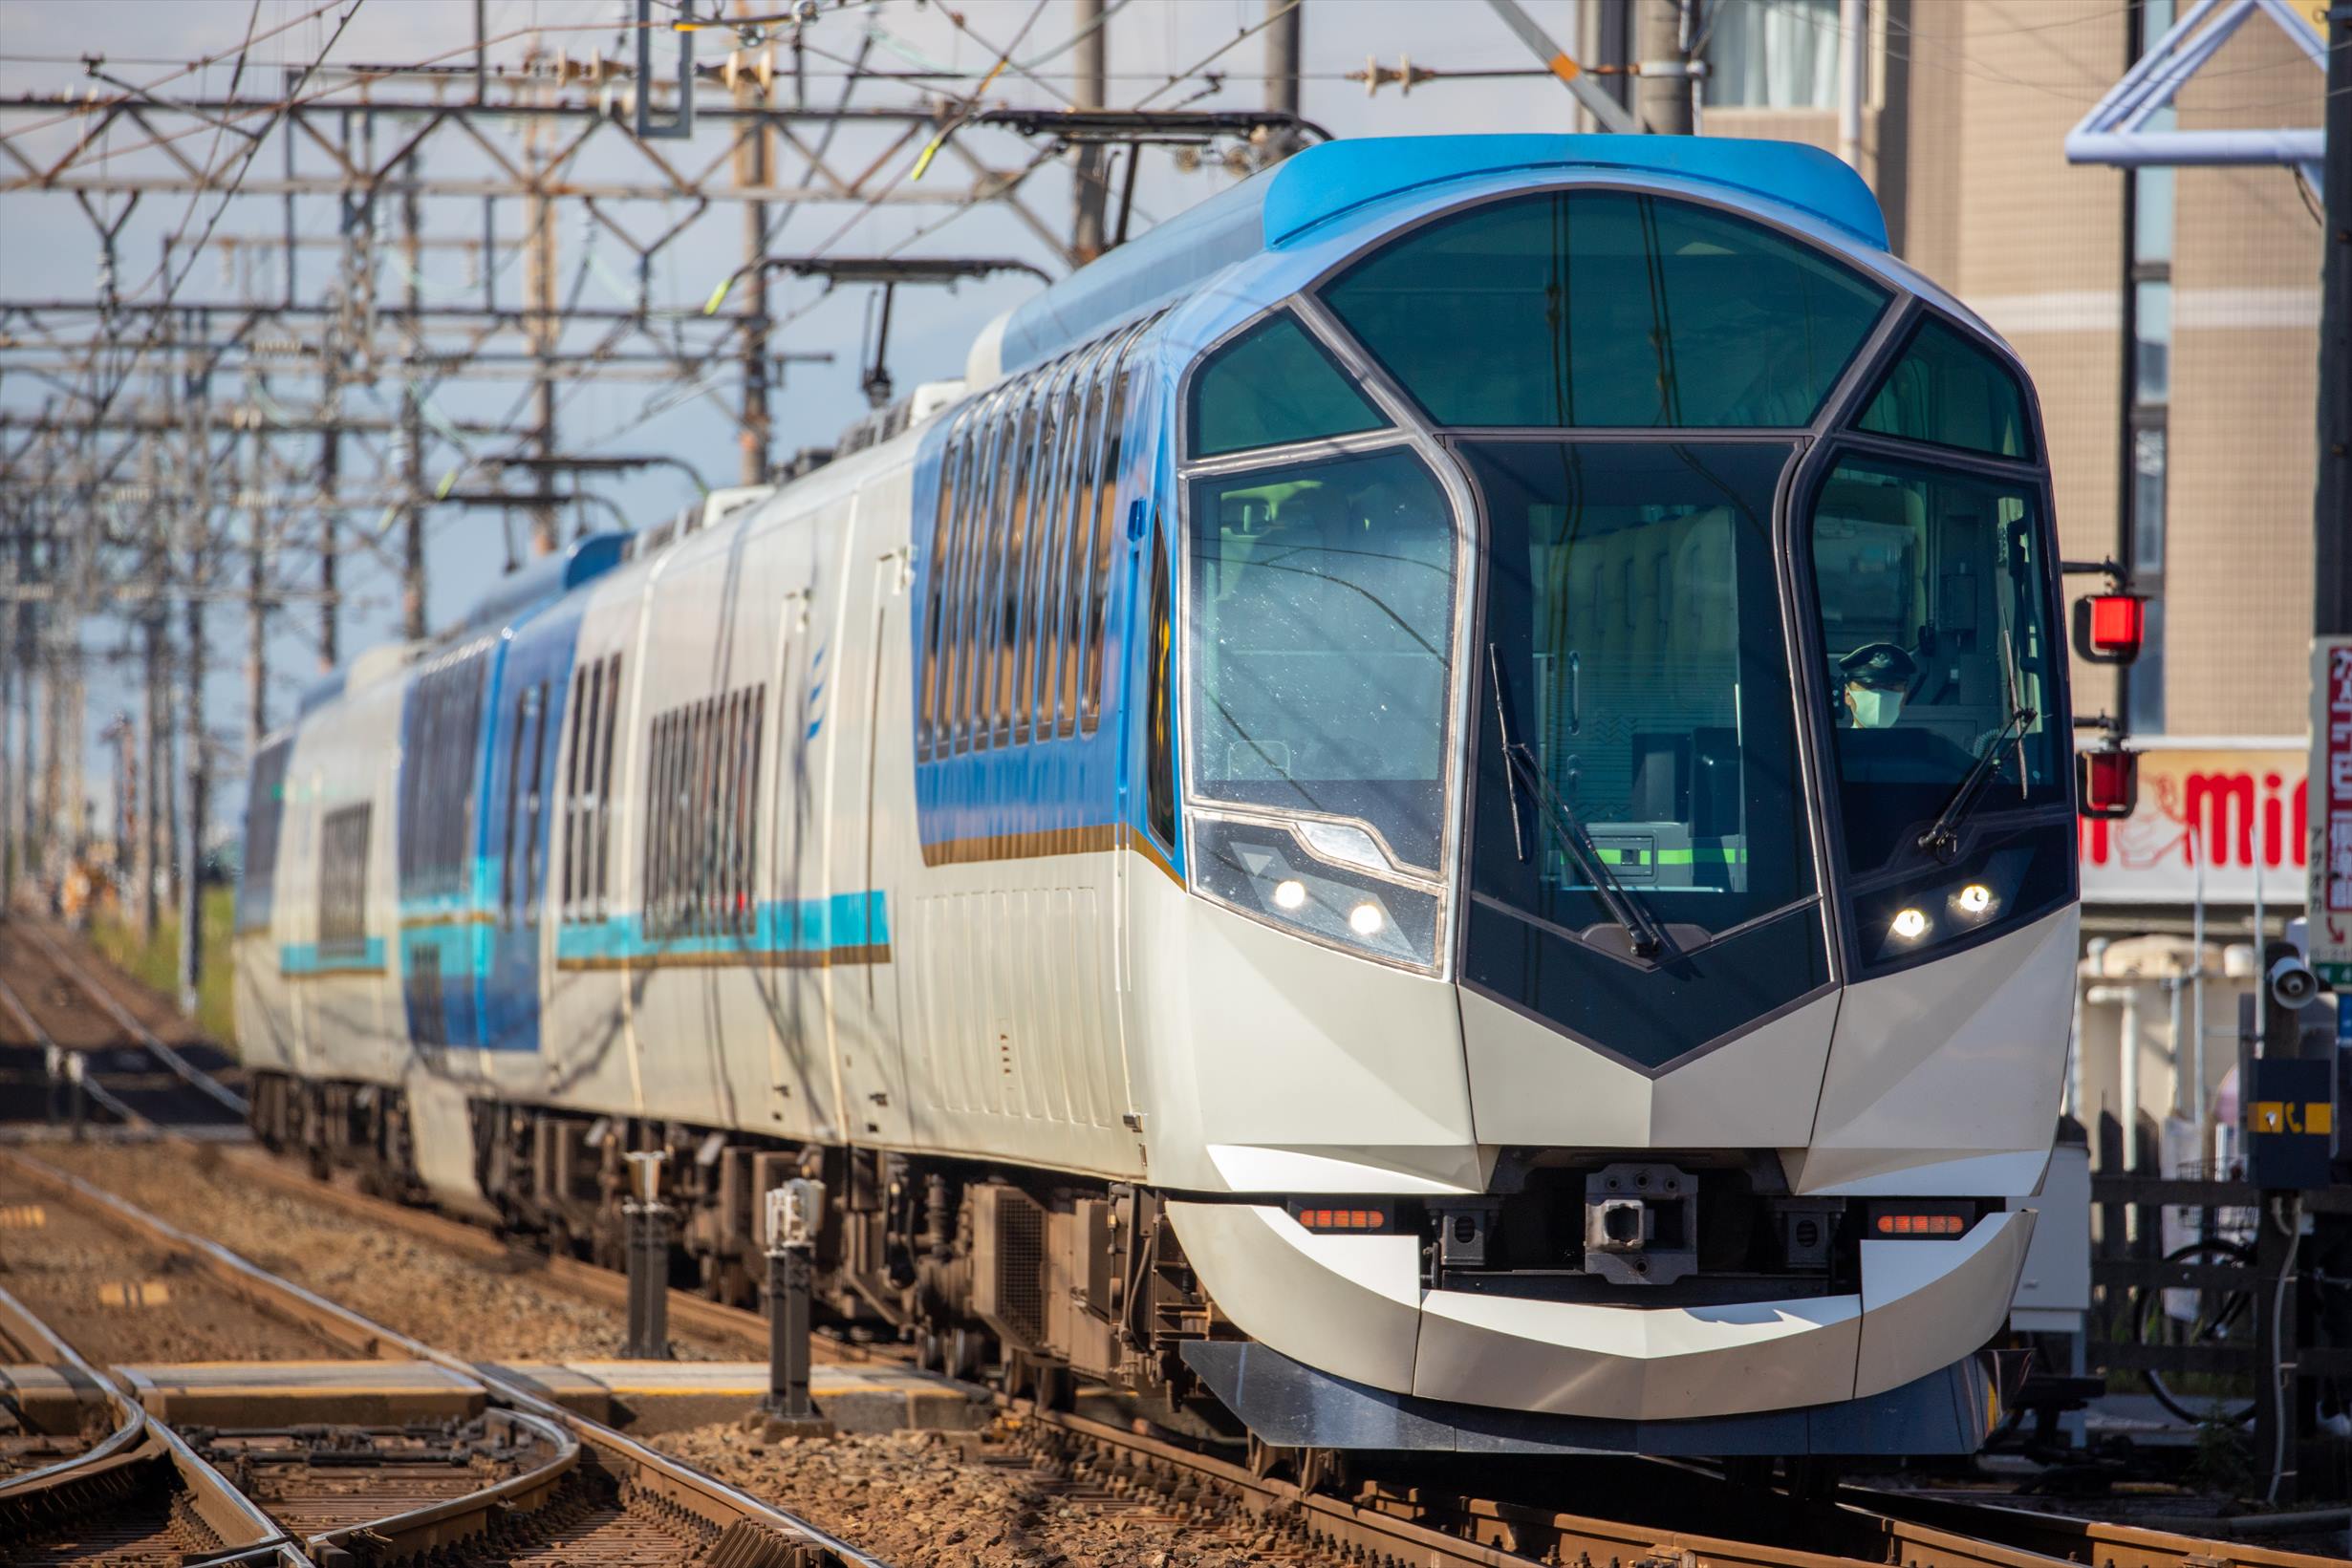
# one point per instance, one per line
(1030, 1279)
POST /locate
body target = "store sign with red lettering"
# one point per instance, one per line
(2233, 811)
(2331, 816)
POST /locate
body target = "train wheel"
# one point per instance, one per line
(963, 1354)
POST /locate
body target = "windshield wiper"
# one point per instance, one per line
(1941, 839)
(1643, 932)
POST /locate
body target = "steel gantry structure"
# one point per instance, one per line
(262, 437)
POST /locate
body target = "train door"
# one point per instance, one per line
(861, 983)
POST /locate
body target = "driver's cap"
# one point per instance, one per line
(1881, 666)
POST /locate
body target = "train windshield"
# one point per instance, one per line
(1322, 617)
(1638, 677)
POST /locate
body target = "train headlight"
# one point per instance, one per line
(1926, 915)
(1315, 885)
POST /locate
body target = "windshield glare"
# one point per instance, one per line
(1931, 594)
(1322, 617)
(1634, 618)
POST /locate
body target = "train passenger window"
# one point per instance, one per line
(1105, 530)
(604, 784)
(265, 811)
(955, 612)
(343, 880)
(567, 872)
(1054, 546)
(951, 468)
(1004, 588)
(1086, 435)
(1321, 625)
(510, 870)
(988, 563)
(1949, 392)
(533, 797)
(702, 833)
(1023, 600)
(1272, 386)
(1934, 637)
(1607, 308)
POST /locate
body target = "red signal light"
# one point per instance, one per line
(2109, 628)
(1359, 1219)
(2107, 782)
(1914, 1221)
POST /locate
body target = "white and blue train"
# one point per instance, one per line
(1432, 811)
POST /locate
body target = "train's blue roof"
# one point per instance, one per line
(1279, 206)
(546, 578)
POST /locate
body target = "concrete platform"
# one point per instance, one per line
(661, 1396)
(286, 1393)
(50, 1399)
(642, 1396)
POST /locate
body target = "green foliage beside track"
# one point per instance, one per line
(154, 962)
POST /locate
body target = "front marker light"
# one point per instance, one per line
(1365, 919)
(1910, 925)
(1290, 894)
(1973, 899)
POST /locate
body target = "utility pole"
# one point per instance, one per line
(198, 761)
(1281, 74)
(753, 150)
(540, 262)
(412, 416)
(257, 590)
(1662, 93)
(148, 832)
(1853, 65)
(1088, 91)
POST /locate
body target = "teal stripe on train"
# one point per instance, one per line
(843, 929)
(300, 959)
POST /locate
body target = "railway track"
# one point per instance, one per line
(1093, 1465)
(546, 1485)
(55, 1005)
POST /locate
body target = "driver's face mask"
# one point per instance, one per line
(1873, 709)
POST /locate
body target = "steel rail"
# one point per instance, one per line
(196, 1078)
(751, 1533)
(1918, 1532)
(138, 1444)
(453, 1521)
(107, 1100)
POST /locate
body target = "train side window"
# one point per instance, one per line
(747, 810)
(1274, 385)
(1004, 586)
(1086, 456)
(265, 808)
(1054, 577)
(1105, 530)
(1949, 393)
(604, 782)
(511, 867)
(533, 807)
(1159, 735)
(972, 571)
(343, 880)
(941, 526)
(1028, 597)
